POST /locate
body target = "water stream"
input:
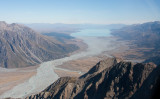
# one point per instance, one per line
(45, 73)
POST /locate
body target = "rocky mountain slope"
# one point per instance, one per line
(108, 79)
(20, 46)
(146, 36)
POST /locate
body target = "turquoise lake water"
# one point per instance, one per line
(92, 33)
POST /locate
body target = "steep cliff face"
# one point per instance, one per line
(108, 79)
(20, 46)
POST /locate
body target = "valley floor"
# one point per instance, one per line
(12, 77)
(91, 54)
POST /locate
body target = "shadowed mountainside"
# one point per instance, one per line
(107, 79)
(20, 46)
(146, 35)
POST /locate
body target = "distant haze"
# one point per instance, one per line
(69, 28)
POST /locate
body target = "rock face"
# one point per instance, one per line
(108, 79)
(20, 46)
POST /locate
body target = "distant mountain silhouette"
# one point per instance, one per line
(20, 46)
(143, 35)
(69, 28)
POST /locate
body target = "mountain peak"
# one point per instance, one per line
(122, 80)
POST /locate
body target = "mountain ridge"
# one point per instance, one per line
(107, 79)
(144, 36)
(20, 46)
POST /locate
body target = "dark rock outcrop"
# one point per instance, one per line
(108, 79)
(20, 46)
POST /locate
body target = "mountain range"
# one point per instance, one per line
(69, 28)
(146, 35)
(113, 78)
(108, 79)
(20, 46)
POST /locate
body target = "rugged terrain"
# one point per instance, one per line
(144, 40)
(20, 46)
(109, 79)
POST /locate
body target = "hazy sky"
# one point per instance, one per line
(79, 11)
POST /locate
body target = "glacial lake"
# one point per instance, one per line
(92, 33)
